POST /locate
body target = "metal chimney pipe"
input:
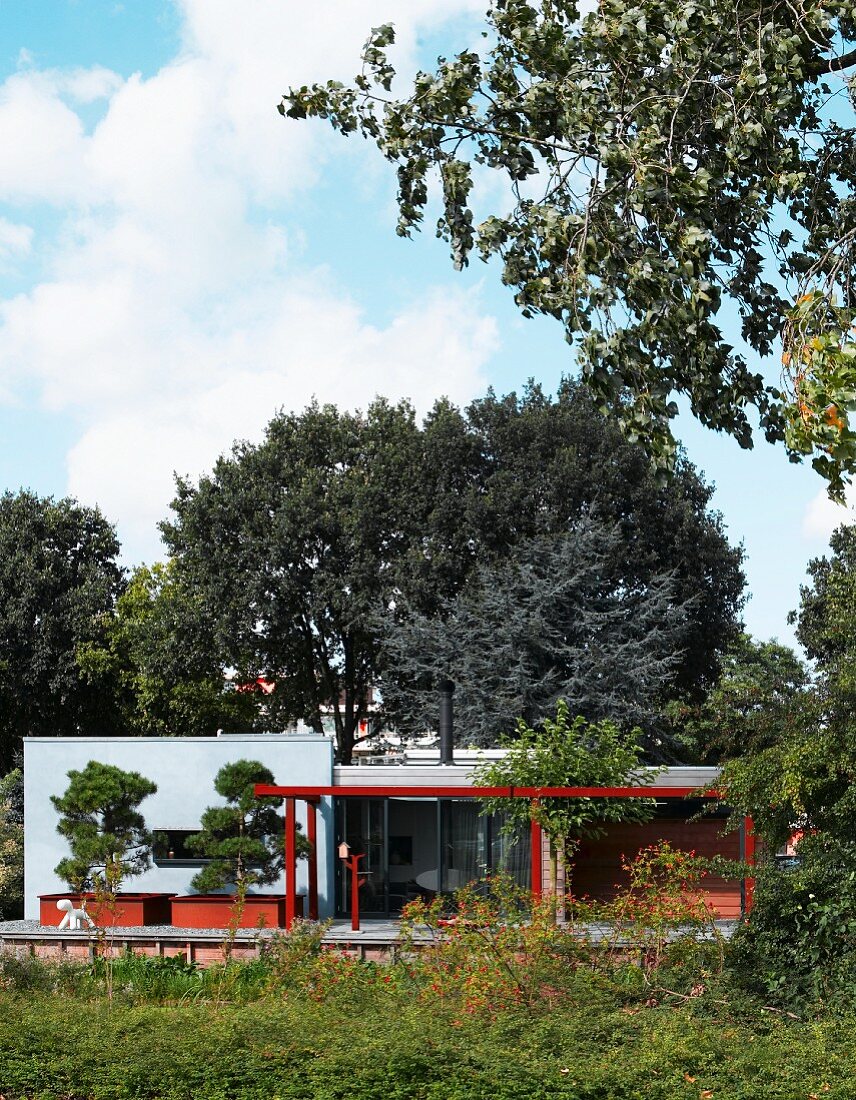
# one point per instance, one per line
(447, 748)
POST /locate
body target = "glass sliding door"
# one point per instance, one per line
(421, 846)
(511, 853)
(413, 850)
(362, 823)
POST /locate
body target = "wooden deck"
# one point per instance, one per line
(377, 941)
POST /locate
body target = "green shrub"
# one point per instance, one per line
(398, 1047)
(799, 946)
(31, 975)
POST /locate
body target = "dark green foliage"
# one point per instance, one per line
(557, 619)
(157, 661)
(312, 530)
(106, 832)
(58, 577)
(825, 624)
(801, 937)
(799, 948)
(658, 176)
(12, 792)
(754, 704)
(243, 839)
(806, 776)
(337, 522)
(12, 845)
(541, 464)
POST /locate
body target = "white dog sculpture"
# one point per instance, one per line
(74, 919)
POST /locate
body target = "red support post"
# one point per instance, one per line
(290, 863)
(749, 857)
(536, 856)
(352, 863)
(311, 836)
(355, 894)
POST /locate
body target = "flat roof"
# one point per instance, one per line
(460, 775)
(290, 737)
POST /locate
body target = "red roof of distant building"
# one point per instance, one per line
(259, 684)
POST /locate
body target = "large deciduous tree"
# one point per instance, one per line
(295, 546)
(537, 465)
(156, 659)
(58, 577)
(298, 551)
(666, 165)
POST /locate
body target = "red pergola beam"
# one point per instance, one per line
(312, 836)
(305, 793)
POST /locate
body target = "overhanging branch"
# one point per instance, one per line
(833, 64)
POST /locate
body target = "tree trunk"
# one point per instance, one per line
(345, 746)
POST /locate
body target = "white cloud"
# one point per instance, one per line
(822, 516)
(15, 239)
(42, 142)
(269, 354)
(88, 85)
(174, 315)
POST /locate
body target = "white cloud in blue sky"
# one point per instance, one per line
(177, 262)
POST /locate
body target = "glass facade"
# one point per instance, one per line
(418, 847)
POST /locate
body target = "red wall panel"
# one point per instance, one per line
(597, 870)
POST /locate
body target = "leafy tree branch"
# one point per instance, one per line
(664, 163)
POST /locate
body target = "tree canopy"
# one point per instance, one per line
(155, 658)
(752, 705)
(12, 845)
(337, 522)
(59, 576)
(667, 166)
(806, 776)
(801, 786)
(313, 529)
(557, 620)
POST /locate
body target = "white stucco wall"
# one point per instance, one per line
(184, 770)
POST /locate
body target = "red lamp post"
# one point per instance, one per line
(352, 864)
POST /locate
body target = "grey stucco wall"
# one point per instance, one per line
(184, 770)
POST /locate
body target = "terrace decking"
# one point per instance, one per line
(378, 940)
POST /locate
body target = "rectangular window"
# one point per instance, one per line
(170, 849)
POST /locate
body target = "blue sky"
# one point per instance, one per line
(177, 262)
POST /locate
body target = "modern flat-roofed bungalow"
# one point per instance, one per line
(417, 822)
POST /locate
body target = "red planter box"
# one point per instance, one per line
(215, 910)
(131, 910)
